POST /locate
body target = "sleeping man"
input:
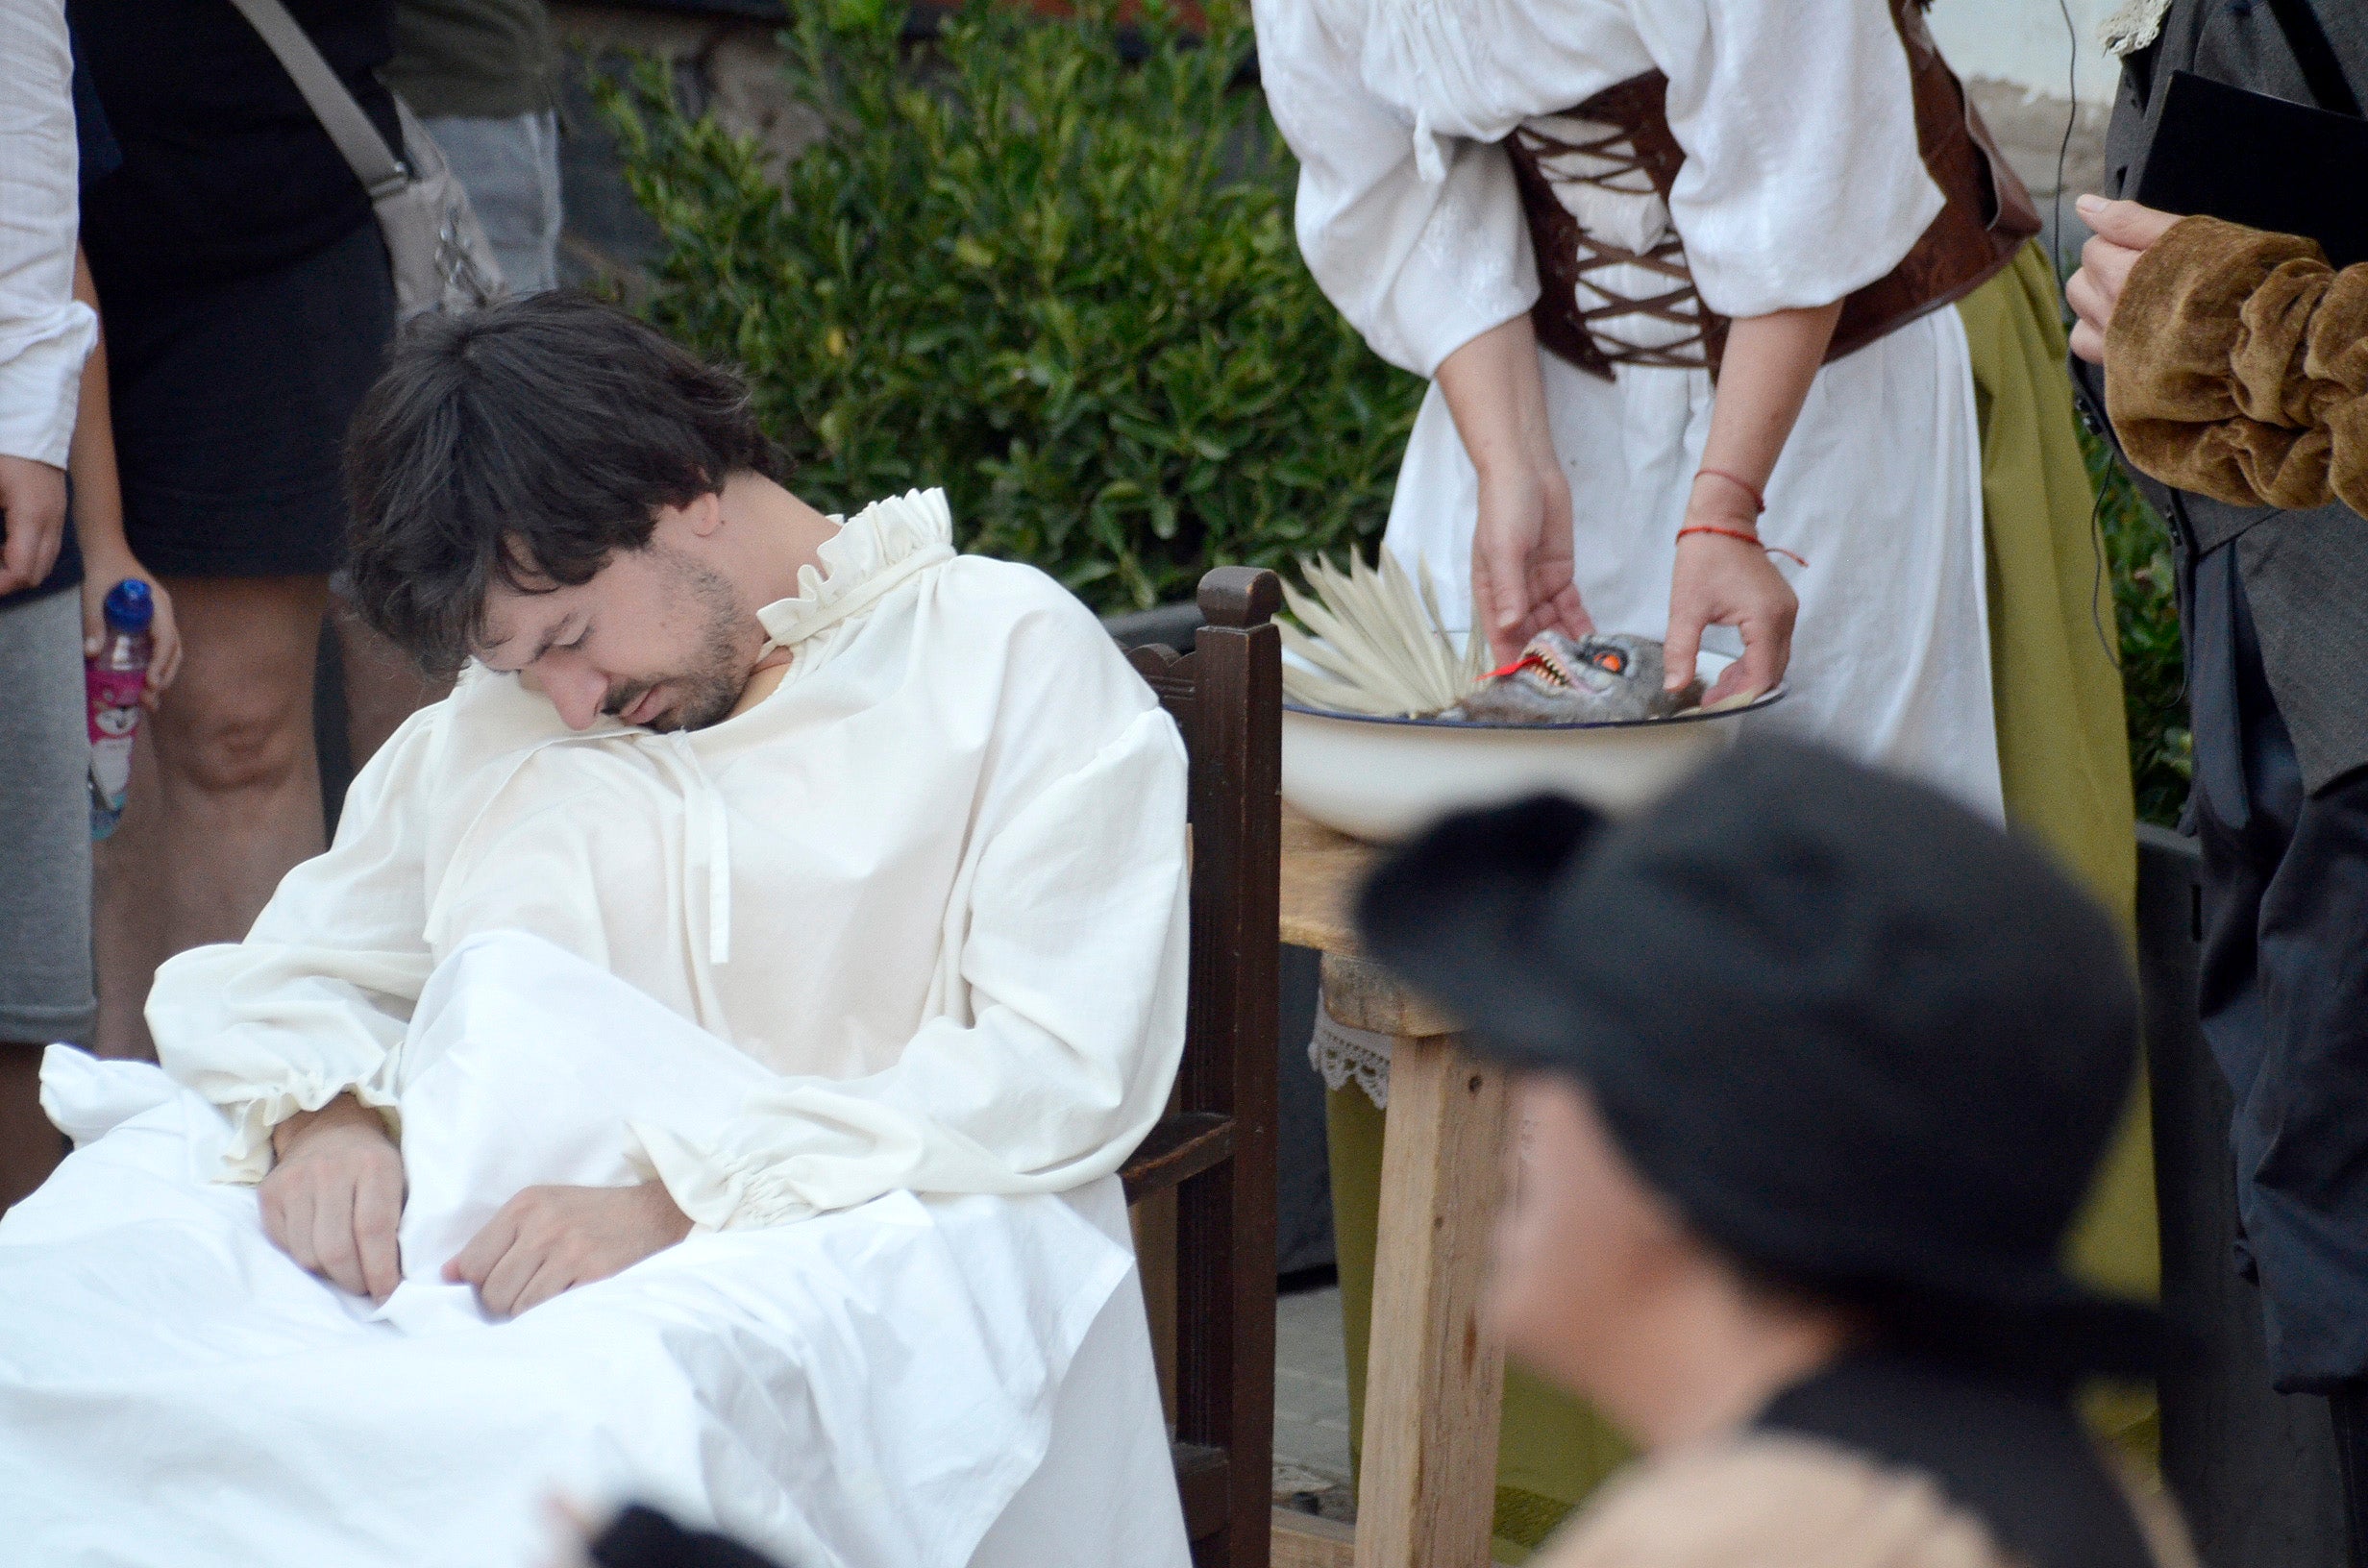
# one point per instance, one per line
(698, 1069)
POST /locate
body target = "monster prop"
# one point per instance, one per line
(1376, 651)
(1588, 680)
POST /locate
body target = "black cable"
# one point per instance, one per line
(2064, 149)
(2097, 589)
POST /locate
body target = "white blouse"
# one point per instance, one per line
(935, 881)
(46, 332)
(1802, 179)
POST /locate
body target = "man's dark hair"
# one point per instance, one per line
(526, 444)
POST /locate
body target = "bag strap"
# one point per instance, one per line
(2321, 71)
(366, 153)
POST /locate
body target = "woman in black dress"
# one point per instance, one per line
(248, 305)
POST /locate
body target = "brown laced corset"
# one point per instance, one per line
(1629, 146)
(1986, 217)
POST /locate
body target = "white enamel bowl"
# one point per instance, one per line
(1384, 779)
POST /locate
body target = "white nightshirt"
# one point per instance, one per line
(935, 881)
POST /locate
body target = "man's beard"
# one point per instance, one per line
(707, 692)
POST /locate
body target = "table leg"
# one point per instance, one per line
(1435, 1377)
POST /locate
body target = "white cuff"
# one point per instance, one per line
(41, 383)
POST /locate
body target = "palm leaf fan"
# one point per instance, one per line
(1375, 647)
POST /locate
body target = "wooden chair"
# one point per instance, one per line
(1216, 1149)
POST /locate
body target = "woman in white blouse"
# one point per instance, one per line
(1700, 285)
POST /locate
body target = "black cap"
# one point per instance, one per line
(1856, 1033)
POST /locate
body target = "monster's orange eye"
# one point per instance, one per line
(1609, 660)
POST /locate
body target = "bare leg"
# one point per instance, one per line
(230, 797)
(30, 1147)
(383, 686)
(127, 925)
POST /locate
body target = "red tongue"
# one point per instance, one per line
(1528, 661)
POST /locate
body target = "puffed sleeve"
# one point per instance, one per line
(46, 332)
(316, 1000)
(1421, 260)
(1075, 958)
(2236, 366)
(1802, 179)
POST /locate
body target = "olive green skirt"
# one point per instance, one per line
(2063, 758)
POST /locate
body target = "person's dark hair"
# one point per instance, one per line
(526, 444)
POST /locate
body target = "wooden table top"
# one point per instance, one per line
(1322, 872)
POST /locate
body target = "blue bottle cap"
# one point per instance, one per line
(130, 605)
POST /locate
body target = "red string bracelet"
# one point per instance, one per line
(1747, 538)
(1759, 502)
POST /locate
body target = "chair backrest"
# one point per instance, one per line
(1217, 1150)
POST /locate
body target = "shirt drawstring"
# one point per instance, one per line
(703, 803)
(1430, 164)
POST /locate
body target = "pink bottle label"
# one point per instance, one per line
(114, 718)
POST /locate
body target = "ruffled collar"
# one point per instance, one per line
(2132, 27)
(874, 550)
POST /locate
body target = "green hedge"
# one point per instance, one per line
(1062, 286)
(2153, 689)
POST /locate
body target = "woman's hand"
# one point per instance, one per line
(1724, 581)
(100, 571)
(1520, 557)
(2124, 230)
(98, 513)
(1769, 365)
(1521, 543)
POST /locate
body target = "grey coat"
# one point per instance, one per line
(2305, 573)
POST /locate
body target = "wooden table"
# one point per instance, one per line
(1434, 1379)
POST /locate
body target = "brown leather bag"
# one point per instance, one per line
(1986, 217)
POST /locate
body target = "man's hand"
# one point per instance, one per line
(334, 1197)
(1723, 581)
(553, 1239)
(33, 520)
(2124, 230)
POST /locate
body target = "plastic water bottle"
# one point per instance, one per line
(116, 678)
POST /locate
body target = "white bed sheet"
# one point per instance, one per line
(920, 1383)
